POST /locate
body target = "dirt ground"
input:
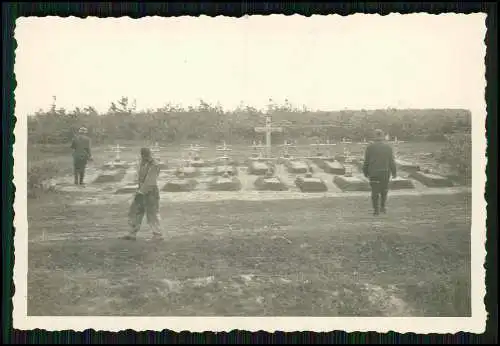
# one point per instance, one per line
(321, 257)
(316, 257)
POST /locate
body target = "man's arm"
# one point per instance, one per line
(392, 164)
(89, 152)
(366, 162)
(73, 144)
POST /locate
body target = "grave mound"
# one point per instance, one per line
(222, 161)
(230, 170)
(111, 176)
(268, 183)
(320, 161)
(431, 180)
(225, 183)
(297, 166)
(407, 166)
(116, 164)
(311, 184)
(198, 162)
(258, 168)
(180, 185)
(352, 183)
(333, 167)
(188, 172)
(399, 183)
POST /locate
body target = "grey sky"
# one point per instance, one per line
(331, 62)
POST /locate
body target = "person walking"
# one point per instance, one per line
(378, 167)
(81, 155)
(147, 198)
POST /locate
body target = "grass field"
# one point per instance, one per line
(321, 257)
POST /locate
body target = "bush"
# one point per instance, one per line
(457, 153)
(208, 123)
(39, 174)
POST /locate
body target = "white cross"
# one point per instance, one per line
(117, 150)
(347, 156)
(268, 130)
(224, 148)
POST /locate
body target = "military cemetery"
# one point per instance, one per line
(245, 195)
(220, 172)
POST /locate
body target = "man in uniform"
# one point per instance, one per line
(81, 154)
(378, 166)
(147, 198)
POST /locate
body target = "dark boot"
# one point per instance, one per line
(82, 175)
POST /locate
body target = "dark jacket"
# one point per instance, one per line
(81, 147)
(379, 160)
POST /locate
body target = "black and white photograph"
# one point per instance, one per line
(257, 173)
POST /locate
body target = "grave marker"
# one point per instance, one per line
(117, 162)
(224, 163)
(268, 129)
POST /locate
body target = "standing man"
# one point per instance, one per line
(378, 166)
(81, 154)
(147, 198)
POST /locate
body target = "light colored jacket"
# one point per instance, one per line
(148, 176)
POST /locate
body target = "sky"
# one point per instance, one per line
(323, 62)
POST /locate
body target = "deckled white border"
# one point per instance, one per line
(474, 324)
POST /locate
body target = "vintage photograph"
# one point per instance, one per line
(311, 173)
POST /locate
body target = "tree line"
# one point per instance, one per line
(211, 124)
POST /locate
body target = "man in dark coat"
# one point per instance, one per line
(81, 155)
(378, 166)
(147, 198)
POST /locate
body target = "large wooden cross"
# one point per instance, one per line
(268, 129)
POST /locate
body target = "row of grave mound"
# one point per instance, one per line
(307, 183)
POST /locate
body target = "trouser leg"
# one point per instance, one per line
(82, 173)
(136, 215)
(375, 185)
(384, 190)
(153, 212)
(76, 172)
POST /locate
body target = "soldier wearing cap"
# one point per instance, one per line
(81, 154)
(378, 166)
(147, 198)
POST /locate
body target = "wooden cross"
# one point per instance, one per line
(117, 150)
(268, 129)
(256, 146)
(224, 148)
(286, 145)
(155, 149)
